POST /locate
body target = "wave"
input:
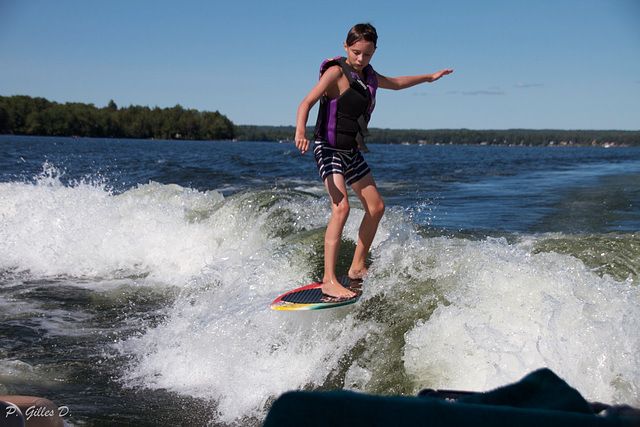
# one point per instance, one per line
(439, 311)
(85, 230)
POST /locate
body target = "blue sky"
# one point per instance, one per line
(546, 64)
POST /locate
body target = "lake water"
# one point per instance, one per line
(135, 276)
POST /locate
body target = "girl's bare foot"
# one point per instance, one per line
(357, 274)
(334, 289)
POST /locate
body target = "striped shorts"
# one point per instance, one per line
(348, 163)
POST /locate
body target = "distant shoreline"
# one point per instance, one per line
(23, 115)
(508, 137)
(289, 141)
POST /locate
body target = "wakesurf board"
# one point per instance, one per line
(310, 297)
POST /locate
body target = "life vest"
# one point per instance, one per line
(343, 121)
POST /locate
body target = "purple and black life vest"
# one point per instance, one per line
(343, 121)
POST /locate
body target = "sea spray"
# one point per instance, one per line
(509, 311)
(84, 230)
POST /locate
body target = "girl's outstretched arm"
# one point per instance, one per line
(397, 83)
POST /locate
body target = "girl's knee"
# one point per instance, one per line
(377, 210)
(341, 210)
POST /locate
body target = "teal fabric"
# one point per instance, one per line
(541, 389)
(540, 399)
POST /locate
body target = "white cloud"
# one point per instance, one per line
(528, 85)
(485, 92)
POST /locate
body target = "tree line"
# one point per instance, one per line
(23, 115)
(508, 137)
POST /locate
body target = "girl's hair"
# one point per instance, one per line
(364, 32)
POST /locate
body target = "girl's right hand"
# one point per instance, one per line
(302, 144)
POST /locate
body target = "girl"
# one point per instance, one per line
(346, 91)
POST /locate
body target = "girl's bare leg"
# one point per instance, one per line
(368, 194)
(339, 213)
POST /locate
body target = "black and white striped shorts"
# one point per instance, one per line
(348, 163)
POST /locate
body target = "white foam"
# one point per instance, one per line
(508, 312)
(84, 230)
(240, 354)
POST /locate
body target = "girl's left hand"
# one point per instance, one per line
(441, 73)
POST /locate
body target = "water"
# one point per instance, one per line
(135, 276)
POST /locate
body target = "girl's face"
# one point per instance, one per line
(359, 54)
